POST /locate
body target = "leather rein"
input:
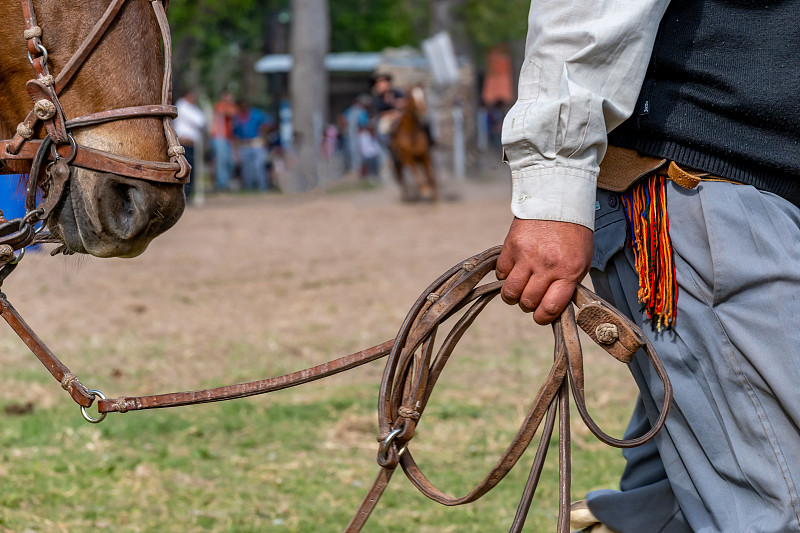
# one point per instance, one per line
(412, 370)
(54, 155)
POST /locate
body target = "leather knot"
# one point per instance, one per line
(47, 81)
(123, 405)
(433, 297)
(24, 131)
(6, 253)
(469, 266)
(607, 333)
(67, 381)
(44, 109)
(175, 151)
(407, 412)
(35, 31)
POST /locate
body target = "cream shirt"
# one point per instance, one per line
(585, 61)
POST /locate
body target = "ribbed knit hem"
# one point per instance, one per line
(780, 182)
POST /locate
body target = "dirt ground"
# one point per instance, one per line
(248, 287)
(257, 284)
(323, 272)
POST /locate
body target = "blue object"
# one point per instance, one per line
(248, 125)
(12, 197)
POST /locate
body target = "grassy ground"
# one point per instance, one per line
(298, 460)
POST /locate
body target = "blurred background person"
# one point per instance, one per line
(495, 115)
(190, 126)
(251, 126)
(330, 141)
(387, 105)
(222, 141)
(369, 152)
(356, 116)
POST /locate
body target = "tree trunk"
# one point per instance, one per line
(308, 86)
(445, 17)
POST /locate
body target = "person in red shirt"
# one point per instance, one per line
(222, 140)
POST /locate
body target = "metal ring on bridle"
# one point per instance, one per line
(36, 213)
(87, 416)
(73, 153)
(32, 218)
(18, 258)
(42, 50)
(40, 229)
(388, 442)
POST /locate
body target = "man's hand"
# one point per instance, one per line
(542, 262)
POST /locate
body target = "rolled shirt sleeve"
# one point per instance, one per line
(585, 62)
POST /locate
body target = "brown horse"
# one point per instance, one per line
(101, 212)
(410, 147)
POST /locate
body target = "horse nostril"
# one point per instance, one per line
(128, 217)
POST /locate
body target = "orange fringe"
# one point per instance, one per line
(646, 210)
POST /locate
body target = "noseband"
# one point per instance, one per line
(59, 151)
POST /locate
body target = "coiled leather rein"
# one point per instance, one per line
(412, 370)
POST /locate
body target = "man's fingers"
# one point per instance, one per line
(532, 295)
(556, 253)
(514, 285)
(554, 301)
(505, 264)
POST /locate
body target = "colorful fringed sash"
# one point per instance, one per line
(646, 211)
(645, 206)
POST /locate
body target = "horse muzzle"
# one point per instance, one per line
(106, 215)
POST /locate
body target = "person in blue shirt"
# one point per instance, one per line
(250, 127)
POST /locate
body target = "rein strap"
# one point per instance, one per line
(411, 373)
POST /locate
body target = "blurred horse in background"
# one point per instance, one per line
(410, 147)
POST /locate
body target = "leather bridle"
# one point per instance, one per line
(414, 364)
(58, 151)
(412, 371)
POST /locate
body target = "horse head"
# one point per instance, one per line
(110, 206)
(417, 103)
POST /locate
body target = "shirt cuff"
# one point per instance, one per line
(554, 193)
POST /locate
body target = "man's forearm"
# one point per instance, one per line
(584, 66)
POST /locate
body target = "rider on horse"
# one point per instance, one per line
(387, 105)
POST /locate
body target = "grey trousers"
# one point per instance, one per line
(728, 460)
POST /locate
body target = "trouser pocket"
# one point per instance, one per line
(610, 228)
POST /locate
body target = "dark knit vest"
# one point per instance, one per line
(722, 93)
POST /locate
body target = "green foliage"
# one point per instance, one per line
(216, 24)
(372, 25)
(490, 22)
(218, 41)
